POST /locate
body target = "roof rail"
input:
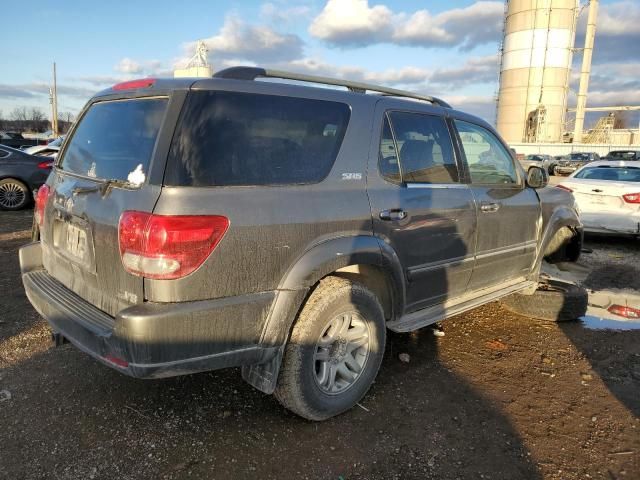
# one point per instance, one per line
(251, 73)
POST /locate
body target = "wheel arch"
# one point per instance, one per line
(365, 258)
(563, 219)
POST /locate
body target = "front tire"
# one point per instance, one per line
(335, 350)
(14, 195)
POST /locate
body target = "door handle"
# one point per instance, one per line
(393, 214)
(489, 207)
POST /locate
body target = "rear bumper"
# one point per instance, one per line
(612, 223)
(152, 340)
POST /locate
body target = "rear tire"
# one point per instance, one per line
(555, 301)
(335, 350)
(14, 195)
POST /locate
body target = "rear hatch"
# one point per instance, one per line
(103, 170)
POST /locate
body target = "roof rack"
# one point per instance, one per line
(251, 73)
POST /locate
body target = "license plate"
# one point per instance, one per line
(76, 242)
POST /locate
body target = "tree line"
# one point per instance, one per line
(33, 120)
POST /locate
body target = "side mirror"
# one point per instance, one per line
(537, 177)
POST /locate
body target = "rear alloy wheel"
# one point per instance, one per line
(554, 300)
(14, 195)
(334, 352)
(341, 353)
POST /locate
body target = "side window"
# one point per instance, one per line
(489, 162)
(424, 147)
(387, 158)
(230, 138)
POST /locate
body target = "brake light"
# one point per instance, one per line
(626, 312)
(167, 246)
(563, 187)
(632, 197)
(131, 84)
(45, 165)
(41, 201)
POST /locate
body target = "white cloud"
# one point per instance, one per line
(280, 14)
(617, 32)
(352, 22)
(240, 40)
(467, 27)
(476, 70)
(29, 90)
(127, 65)
(348, 23)
(408, 75)
(483, 106)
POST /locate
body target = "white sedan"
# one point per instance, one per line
(49, 150)
(608, 196)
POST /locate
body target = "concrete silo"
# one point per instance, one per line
(534, 75)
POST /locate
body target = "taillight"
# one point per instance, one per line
(130, 85)
(626, 312)
(46, 165)
(167, 246)
(117, 361)
(632, 197)
(41, 201)
(563, 187)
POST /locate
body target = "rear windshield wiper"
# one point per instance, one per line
(103, 187)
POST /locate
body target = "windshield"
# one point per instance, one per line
(616, 174)
(622, 155)
(115, 139)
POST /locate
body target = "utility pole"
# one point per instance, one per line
(585, 71)
(53, 92)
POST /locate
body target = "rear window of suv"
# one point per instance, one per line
(230, 138)
(115, 139)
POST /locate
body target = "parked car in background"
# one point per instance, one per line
(365, 213)
(539, 160)
(20, 175)
(49, 150)
(16, 140)
(623, 155)
(556, 159)
(574, 161)
(608, 196)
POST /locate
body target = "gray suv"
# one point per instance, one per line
(198, 224)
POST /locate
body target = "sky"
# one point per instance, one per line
(446, 48)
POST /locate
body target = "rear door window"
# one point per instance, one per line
(388, 156)
(230, 138)
(115, 140)
(424, 146)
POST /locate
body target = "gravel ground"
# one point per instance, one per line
(500, 396)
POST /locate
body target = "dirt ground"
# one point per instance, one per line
(500, 396)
